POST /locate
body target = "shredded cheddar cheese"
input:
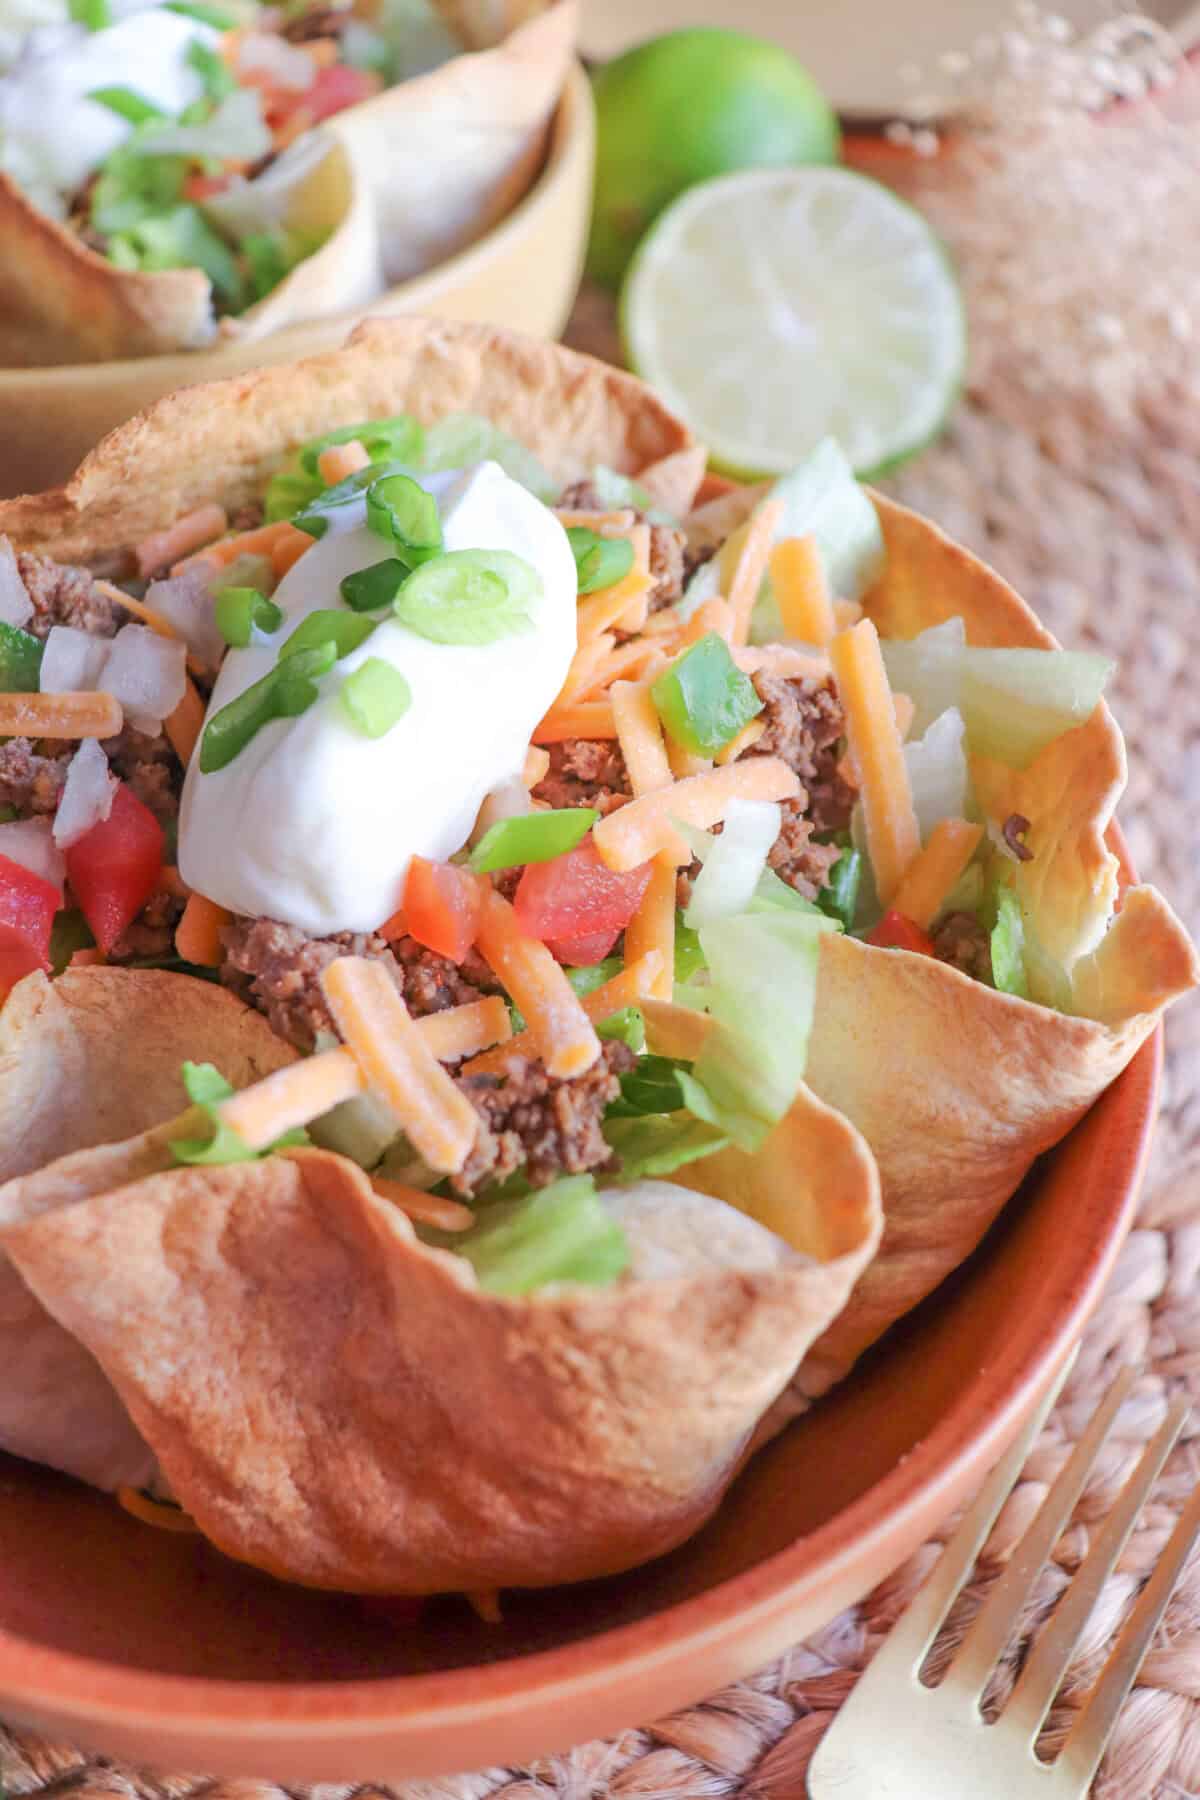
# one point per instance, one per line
(634, 833)
(651, 931)
(935, 869)
(538, 987)
(635, 982)
(640, 735)
(893, 837)
(752, 566)
(60, 715)
(801, 591)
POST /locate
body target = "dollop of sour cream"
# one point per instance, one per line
(314, 824)
(52, 137)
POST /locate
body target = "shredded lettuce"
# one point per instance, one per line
(653, 1087)
(689, 957)
(462, 438)
(928, 669)
(557, 1233)
(659, 1143)
(937, 771)
(763, 975)
(397, 439)
(235, 131)
(616, 491)
(178, 239)
(206, 1087)
(289, 491)
(734, 862)
(1008, 945)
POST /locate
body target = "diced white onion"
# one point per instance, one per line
(31, 843)
(286, 66)
(734, 862)
(72, 661)
(185, 601)
(147, 674)
(508, 800)
(16, 608)
(87, 797)
(937, 770)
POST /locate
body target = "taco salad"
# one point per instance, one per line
(542, 960)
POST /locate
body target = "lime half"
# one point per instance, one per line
(776, 307)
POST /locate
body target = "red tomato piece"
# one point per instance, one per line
(578, 906)
(27, 908)
(895, 931)
(441, 907)
(113, 868)
(337, 87)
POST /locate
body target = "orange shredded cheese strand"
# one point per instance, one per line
(651, 931)
(798, 580)
(262, 541)
(596, 612)
(536, 766)
(198, 933)
(905, 713)
(664, 623)
(170, 881)
(635, 982)
(162, 548)
(846, 613)
(628, 662)
(749, 734)
(712, 615)
(538, 987)
(341, 460)
(400, 1068)
(292, 1096)
(426, 1209)
(586, 661)
(935, 869)
(462, 1030)
(782, 660)
(640, 735)
(185, 724)
(60, 715)
(137, 609)
(752, 566)
(288, 550)
(893, 837)
(685, 762)
(156, 1513)
(635, 615)
(634, 833)
(578, 719)
(604, 524)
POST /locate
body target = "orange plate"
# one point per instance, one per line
(153, 1647)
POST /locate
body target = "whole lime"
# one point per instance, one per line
(687, 106)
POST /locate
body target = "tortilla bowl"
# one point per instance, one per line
(56, 414)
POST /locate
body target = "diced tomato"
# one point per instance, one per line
(895, 931)
(337, 87)
(441, 906)
(114, 868)
(27, 908)
(576, 905)
(203, 187)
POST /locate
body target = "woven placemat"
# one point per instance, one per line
(1097, 522)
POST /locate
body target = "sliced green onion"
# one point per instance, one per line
(839, 897)
(216, 16)
(375, 696)
(600, 562)
(704, 699)
(94, 14)
(469, 597)
(532, 838)
(288, 690)
(399, 439)
(401, 512)
(20, 660)
(206, 1087)
(328, 625)
(128, 104)
(316, 515)
(238, 611)
(371, 589)
(288, 493)
(215, 74)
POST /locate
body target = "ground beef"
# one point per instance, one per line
(277, 968)
(63, 595)
(317, 22)
(804, 726)
(30, 782)
(544, 1126)
(961, 940)
(795, 858)
(248, 517)
(667, 546)
(694, 559)
(585, 772)
(152, 933)
(151, 768)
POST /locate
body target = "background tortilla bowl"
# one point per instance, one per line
(291, 1685)
(522, 274)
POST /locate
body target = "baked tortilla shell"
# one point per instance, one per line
(60, 1044)
(222, 440)
(443, 156)
(956, 1087)
(64, 303)
(342, 1406)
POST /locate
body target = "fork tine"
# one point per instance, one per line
(909, 1639)
(1039, 1679)
(1092, 1729)
(993, 1625)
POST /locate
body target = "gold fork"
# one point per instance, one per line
(896, 1738)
